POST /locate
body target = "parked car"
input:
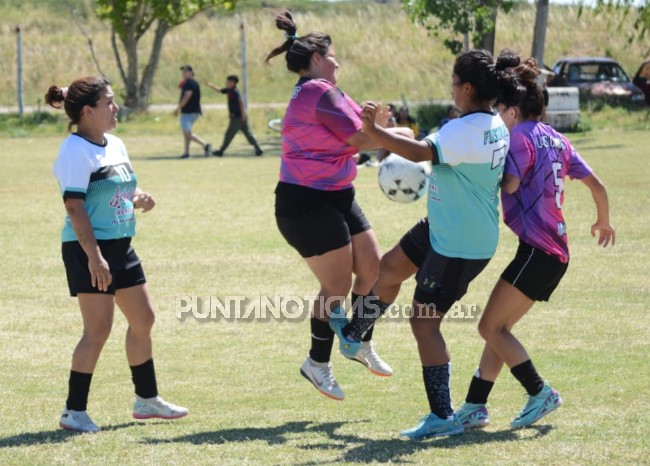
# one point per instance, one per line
(642, 80)
(596, 77)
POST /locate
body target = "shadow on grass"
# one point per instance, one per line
(271, 435)
(52, 436)
(352, 448)
(396, 449)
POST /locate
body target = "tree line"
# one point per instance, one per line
(474, 20)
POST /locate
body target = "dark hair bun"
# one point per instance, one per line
(54, 97)
(507, 59)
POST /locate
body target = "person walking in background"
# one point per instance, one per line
(189, 106)
(100, 195)
(238, 116)
(532, 192)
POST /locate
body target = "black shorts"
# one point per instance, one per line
(441, 280)
(534, 272)
(123, 263)
(315, 222)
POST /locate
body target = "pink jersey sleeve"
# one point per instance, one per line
(578, 168)
(340, 114)
(521, 156)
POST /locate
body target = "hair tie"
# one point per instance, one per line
(64, 92)
(291, 36)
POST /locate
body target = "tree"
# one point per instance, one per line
(642, 20)
(539, 36)
(130, 20)
(473, 17)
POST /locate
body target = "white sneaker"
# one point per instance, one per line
(147, 408)
(321, 376)
(78, 421)
(369, 358)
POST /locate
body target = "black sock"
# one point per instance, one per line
(479, 390)
(527, 376)
(357, 313)
(322, 339)
(366, 316)
(78, 388)
(436, 384)
(144, 379)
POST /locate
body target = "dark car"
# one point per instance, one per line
(642, 80)
(596, 77)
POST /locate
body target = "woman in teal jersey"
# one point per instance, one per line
(100, 194)
(453, 244)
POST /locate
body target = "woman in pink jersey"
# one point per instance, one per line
(532, 194)
(315, 207)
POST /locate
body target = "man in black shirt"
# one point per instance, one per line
(189, 107)
(238, 117)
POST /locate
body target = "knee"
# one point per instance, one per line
(143, 324)
(490, 330)
(370, 269)
(96, 335)
(423, 328)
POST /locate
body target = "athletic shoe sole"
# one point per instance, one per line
(158, 416)
(434, 435)
(380, 374)
(328, 395)
(548, 411)
(72, 429)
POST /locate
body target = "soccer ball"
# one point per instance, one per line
(403, 181)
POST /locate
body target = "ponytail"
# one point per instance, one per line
(82, 92)
(298, 50)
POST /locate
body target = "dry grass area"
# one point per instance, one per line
(381, 52)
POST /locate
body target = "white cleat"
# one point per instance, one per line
(369, 358)
(148, 408)
(321, 376)
(78, 421)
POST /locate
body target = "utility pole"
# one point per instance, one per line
(19, 63)
(539, 36)
(244, 65)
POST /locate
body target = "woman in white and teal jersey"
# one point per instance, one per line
(100, 195)
(453, 244)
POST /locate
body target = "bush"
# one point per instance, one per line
(15, 126)
(429, 115)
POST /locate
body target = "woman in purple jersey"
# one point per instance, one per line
(315, 207)
(532, 194)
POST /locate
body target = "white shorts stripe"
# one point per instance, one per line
(532, 251)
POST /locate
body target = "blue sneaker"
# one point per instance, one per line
(473, 415)
(338, 320)
(537, 407)
(432, 426)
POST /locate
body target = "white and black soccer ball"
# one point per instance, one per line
(403, 181)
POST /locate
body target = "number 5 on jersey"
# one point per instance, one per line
(559, 183)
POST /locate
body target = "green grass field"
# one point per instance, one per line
(213, 234)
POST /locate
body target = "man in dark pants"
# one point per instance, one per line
(238, 117)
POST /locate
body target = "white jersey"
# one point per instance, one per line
(101, 175)
(462, 201)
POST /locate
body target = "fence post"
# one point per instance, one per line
(244, 66)
(19, 63)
